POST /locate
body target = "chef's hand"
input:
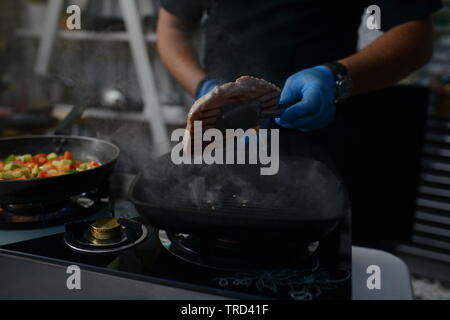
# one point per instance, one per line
(205, 86)
(310, 95)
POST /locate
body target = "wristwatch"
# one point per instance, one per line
(344, 83)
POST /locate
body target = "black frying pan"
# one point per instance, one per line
(304, 201)
(53, 189)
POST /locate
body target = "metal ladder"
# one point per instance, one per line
(152, 112)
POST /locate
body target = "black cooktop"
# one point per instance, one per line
(324, 275)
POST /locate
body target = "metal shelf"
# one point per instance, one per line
(437, 137)
(85, 35)
(424, 252)
(432, 204)
(430, 239)
(172, 114)
(431, 164)
(431, 242)
(433, 191)
(443, 232)
(434, 218)
(434, 178)
(437, 151)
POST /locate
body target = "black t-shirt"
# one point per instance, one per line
(272, 39)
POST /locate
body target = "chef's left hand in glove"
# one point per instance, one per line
(310, 93)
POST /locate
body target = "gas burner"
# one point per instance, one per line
(229, 254)
(105, 229)
(104, 235)
(38, 215)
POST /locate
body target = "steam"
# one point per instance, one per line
(237, 187)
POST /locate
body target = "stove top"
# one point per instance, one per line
(41, 215)
(322, 274)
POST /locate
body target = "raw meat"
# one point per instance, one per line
(207, 108)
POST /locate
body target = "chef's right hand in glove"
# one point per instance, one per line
(310, 93)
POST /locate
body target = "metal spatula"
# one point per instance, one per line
(245, 115)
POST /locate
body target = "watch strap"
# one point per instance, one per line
(338, 69)
(343, 80)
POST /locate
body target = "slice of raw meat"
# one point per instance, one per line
(207, 108)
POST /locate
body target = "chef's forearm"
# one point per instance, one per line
(177, 53)
(390, 58)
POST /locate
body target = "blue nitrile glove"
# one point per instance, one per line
(205, 86)
(310, 95)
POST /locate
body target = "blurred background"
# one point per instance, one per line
(96, 67)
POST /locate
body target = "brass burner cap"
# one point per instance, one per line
(106, 228)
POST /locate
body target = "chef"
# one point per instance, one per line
(307, 48)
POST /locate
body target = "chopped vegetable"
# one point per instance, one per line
(10, 158)
(42, 174)
(35, 172)
(67, 156)
(11, 166)
(52, 156)
(27, 166)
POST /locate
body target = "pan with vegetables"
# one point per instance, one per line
(41, 165)
(35, 169)
(50, 169)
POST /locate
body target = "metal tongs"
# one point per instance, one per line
(245, 114)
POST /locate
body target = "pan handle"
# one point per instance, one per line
(73, 116)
